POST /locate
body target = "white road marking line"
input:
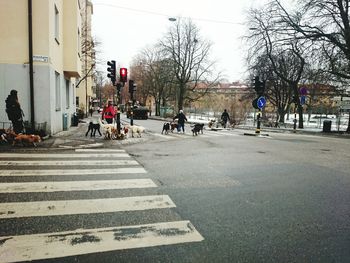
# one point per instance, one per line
(29, 187)
(128, 170)
(84, 241)
(63, 155)
(224, 133)
(90, 206)
(168, 137)
(100, 150)
(69, 162)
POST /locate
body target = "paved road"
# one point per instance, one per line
(56, 205)
(223, 196)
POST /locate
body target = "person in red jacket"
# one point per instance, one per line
(108, 112)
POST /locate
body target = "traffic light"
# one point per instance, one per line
(111, 70)
(123, 74)
(132, 86)
(119, 86)
(259, 86)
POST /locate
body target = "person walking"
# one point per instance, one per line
(108, 113)
(224, 118)
(14, 112)
(181, 118)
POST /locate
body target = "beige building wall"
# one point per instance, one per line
(56, 60)
(85, 90)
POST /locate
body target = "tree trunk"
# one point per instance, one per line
(348, 129)
(180, 102)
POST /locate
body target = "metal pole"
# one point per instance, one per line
(31, 70)
(257, 131)
(118, 111)
(132, 109)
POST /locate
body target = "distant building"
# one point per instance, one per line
(57, 63)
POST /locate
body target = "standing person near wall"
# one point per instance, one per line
(14, 112)
(108, 113)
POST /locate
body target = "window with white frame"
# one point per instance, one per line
(57, 25)
(57, 91)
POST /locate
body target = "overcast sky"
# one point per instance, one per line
(126, 27)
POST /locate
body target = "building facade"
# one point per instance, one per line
(54, 40)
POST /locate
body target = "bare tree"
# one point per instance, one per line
(286, 54)
(189, 56)
(277, 91)
(326, 25)
(154, 73)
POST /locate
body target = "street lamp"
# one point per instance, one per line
(172, 19)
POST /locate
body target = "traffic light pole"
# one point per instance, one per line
(118, 112)
(132, 109)
(257, 131)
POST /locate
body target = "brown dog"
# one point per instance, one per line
(25, 139)
(7, 135)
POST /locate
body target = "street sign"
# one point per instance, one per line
(303, 91)
(261, 102)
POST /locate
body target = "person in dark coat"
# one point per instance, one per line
(225, 117)
(14, 112)
(181, 118)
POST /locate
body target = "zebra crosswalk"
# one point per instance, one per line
(206, 134)
(26, 172)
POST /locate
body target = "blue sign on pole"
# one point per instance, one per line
(261, 102)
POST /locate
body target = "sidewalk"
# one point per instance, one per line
(251, 129)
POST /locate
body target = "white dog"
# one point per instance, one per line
(107, 128)
(136, 129)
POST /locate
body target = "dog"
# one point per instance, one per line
(93, 127)
(25, 139)
(107, 128)
(198, 127)
(173, 126)
(7, 135)
(166, 127)
(136, 129)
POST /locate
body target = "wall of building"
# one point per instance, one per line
(49, 57)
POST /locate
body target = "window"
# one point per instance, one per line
(57, 92)
(57, 25)
(79, 43)
(67, 94)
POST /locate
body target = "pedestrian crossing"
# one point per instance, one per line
(188, 134)
(26, 172)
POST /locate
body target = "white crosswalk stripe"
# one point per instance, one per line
(44, 187)
(103, 162)
(102, 171)
(89, 206)
(70, 243)
(188, 134)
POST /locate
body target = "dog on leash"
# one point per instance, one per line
(93, 127)
(197, 128)
(107, 128)
(25, 139)
(135, 130)
(7, 135)
(166, 127)
(173, 126)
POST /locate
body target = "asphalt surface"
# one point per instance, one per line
(280, 197)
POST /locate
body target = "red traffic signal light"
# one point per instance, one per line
(123, 74)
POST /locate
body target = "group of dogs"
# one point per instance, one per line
(110, 131)
(171, 126)
(9, 136)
